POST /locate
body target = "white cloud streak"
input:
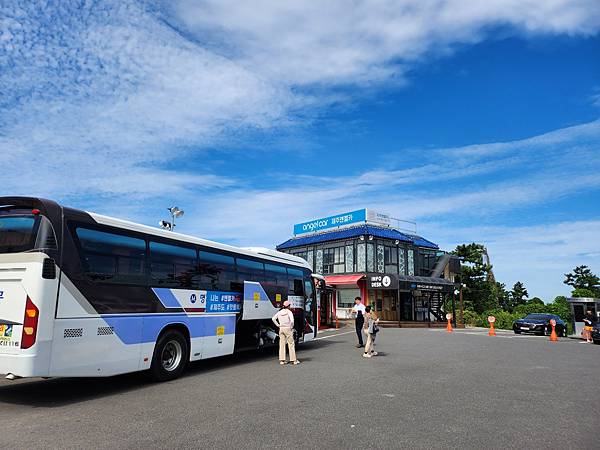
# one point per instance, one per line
(134, 85)
(100, 99)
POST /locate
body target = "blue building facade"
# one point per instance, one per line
(405, 277)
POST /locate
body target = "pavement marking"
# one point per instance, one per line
(333, 335)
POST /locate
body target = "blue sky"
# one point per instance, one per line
(478, 120)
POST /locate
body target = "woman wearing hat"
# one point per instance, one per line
(284, 320)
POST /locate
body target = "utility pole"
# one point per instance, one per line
(462, 322)
(454, 307)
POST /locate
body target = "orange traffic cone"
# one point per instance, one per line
(553, 335)
(449, 327)
(492, 331)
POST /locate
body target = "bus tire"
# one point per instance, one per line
(170, 357)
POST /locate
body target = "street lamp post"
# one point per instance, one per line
(462, 321)
(454, 307)
(175, 212)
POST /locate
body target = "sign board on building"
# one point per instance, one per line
(382, 281)
(427, 287)
(341, 220)
(377, 217)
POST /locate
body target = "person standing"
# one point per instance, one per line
(370, 330)
(358, 310)
(284, 320)
(588, 326)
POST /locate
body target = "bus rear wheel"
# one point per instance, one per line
(171, 354)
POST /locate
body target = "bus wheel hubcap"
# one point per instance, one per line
(171, 356)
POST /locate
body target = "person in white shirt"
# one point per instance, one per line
(284, 320)
(358, 310)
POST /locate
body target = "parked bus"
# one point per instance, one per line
(83, 294)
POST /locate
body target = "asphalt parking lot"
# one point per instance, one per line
(426, 389)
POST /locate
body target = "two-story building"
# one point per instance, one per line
(406, 277)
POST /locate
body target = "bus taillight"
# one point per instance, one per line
(30, 323)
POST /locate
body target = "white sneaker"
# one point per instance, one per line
(366, 355)
(374, 353)
(296, 362)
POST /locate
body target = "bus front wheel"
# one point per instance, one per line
(171, 354)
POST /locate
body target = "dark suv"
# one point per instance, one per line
(596, 333)
(539, 323)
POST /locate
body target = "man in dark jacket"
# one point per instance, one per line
(358, 310)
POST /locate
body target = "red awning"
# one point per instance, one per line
(334, 280)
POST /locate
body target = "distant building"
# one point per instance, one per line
(360, 253)
(581, 305)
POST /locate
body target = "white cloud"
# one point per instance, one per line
(538, 255)
(100, 100)
(364, 41)
(133, 85)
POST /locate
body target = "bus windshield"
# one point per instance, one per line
(17, 233)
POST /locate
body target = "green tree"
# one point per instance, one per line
(535, 301)
(481, 292)
(503, 297)
(583, 278)
(561, 307)
(518, 295)
(581, 292)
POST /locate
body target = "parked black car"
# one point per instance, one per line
(539, 324)
(596, 333)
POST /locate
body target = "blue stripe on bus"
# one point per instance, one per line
(143, 329)
(166, 297)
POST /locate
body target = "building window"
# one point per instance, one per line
(401, 261)
(345, 297)
(319, 262)
(370, 258)
(380, 261)
(411, 262)
(302, 255)
(391, 259)
(427, 259)
(310, 258)
(333, 260)
(349, 258)
(361, 257)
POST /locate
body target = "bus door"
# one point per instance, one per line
(310, 311)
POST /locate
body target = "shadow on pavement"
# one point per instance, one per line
(66, 391)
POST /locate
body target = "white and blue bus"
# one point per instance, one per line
(83, 294)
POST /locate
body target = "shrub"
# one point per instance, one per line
(470, 318)
(504, 319)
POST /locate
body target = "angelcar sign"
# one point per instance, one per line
(331, 222)
(341, 220)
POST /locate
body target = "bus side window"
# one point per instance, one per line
(173, 266)
(250, 270)
(296, 285)
(111, 257)
(217, 272)
(276, 275)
